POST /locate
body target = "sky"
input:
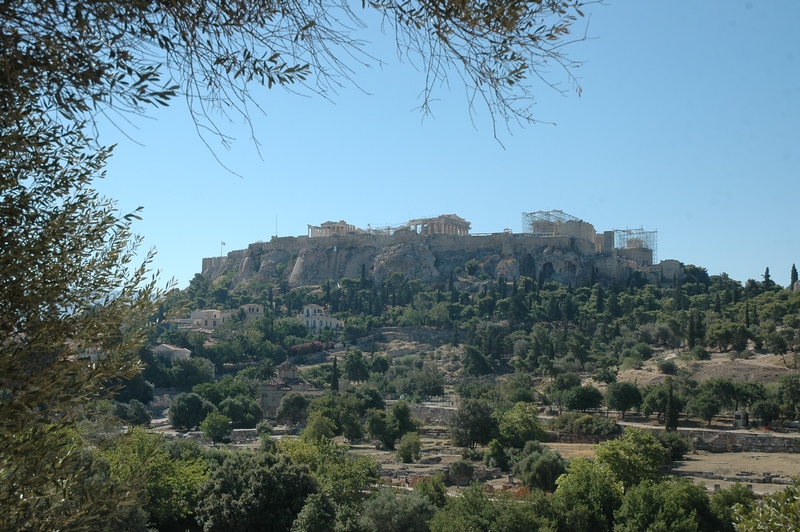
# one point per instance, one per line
(688, 124)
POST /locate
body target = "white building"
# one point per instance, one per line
(317, 319)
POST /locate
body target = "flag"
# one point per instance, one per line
(223, 244)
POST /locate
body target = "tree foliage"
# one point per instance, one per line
(675, 504)
(217, 427)
(254, 491)
(520, 425)
(539, 467)
(74, 304)
(171, 482)
(404, 512)
(188, 410)
(623, 396)
(472, 424)
(635, 456)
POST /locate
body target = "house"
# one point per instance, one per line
(287, 380)
(169, 353)
(317, 319)
(211, 318)
(252, 311)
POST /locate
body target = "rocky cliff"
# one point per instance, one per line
(303, 261)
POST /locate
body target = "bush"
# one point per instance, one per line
(698, 353)
(667, 367)
(676, 445)
(585, 424)
(631, 362)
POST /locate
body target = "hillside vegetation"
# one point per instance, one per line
(500, 351)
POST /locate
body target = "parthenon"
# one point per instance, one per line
(445, 224)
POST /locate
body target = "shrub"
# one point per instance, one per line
(586, 424)
(631, 362)
(676, 445)
(667, 367)
(698, 353)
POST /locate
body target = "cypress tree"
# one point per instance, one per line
(335, 377)
(793, 277)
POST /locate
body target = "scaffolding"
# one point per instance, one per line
(635, 239)
(543, 223)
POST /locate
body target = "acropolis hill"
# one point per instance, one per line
(553, 246)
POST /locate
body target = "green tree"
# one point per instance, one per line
(705, 405)
(335, 377)
(293, 407)
(217, 427)
(477, 511)
(520, 425)
(319, 427)
(789, 393)
(584, 398)
(675, 504)
(433, 489)
(767, 411)
(170, 482)
(134, 412)
(380, 427)
(243, 411)
(587, 496)
(190, 372)
(343, 477)
(408, 448)
(623, 396)
(635, 456)
(355, 366)
(472, 424)
(188, 410)
(539, 467)
(724, 504)
(253, 491)
(318, 515)
(475, 362)
(793, 277)
(401, 512)
(216, 392)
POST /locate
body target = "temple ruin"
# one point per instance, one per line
(636, 245)
(444, 224)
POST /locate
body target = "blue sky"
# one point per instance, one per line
(688, 124)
